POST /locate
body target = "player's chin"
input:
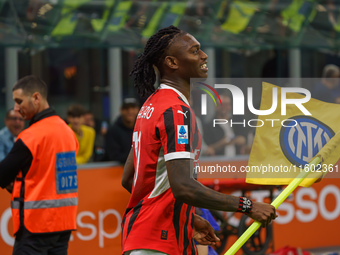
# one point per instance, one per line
(204, 73)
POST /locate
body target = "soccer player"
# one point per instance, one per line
(160, 218)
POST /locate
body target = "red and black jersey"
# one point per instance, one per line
(165, 129)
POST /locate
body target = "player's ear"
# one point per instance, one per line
(171, 62)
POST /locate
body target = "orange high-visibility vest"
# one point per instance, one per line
(46, 199)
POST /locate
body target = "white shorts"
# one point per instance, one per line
(144, 252)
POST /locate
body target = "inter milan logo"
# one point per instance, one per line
(302, 138)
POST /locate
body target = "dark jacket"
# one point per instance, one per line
(118, 142)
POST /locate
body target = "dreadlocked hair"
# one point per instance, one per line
(154, 52)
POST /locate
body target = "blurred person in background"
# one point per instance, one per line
(85, 134)
(328, 89)
(89, 119)
(14, 124)
(98, 148)
(44, 208)
(118, 139)
(222, 139)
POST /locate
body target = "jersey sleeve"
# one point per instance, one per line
(175, 129)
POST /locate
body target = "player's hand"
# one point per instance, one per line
(263, 213)
(204, 233)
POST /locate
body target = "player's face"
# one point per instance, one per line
(192, 60)
(24, 104)
(15, 123)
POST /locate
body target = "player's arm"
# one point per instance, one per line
(128, 172)
(188, 190)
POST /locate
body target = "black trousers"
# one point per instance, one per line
(27, 243)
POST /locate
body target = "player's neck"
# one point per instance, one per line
(180, 85)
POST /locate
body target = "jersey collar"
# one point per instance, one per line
(43, 114)
(163, 86)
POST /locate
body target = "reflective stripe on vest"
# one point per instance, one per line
(54, 203)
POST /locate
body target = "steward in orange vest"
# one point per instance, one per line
(42, 165)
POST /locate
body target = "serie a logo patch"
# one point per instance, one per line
(182, 134)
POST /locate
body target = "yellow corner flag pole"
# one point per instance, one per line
(284, 194)
(320, 157)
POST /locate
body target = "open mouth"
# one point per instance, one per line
(204, 66)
